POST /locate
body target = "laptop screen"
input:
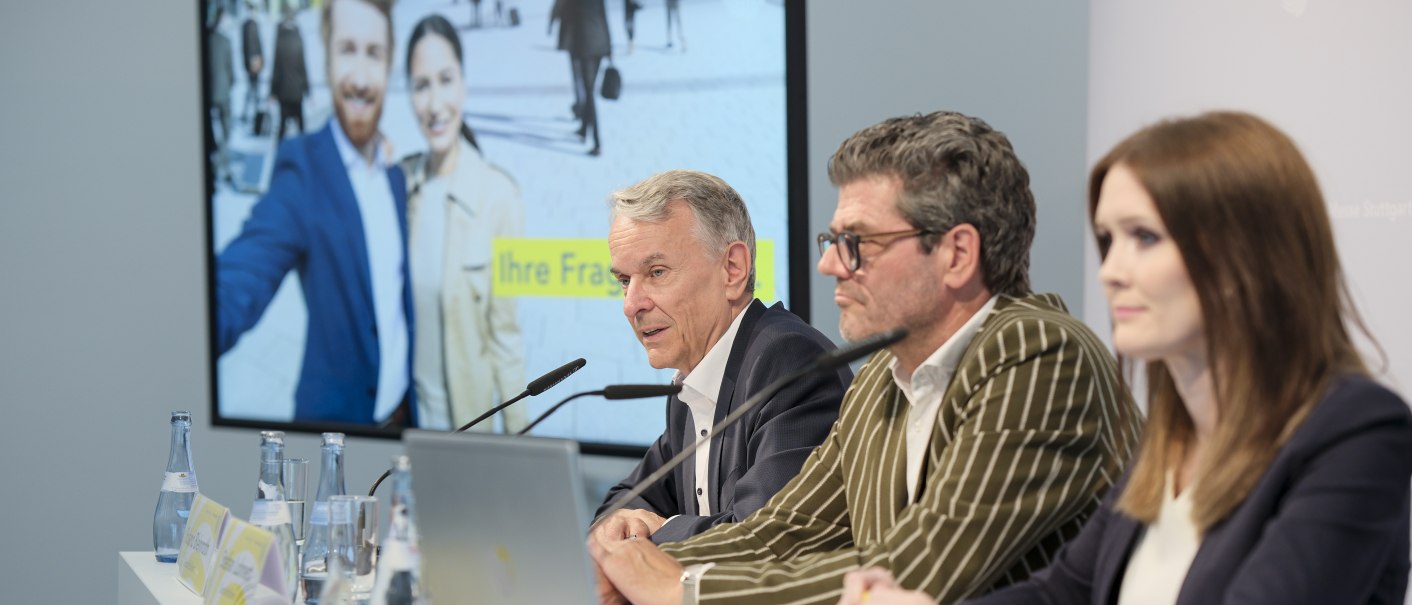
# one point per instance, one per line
(503, 519)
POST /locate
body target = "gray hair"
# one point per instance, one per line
(721, 216)
(954, 169)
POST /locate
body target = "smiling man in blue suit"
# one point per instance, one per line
(335, 213)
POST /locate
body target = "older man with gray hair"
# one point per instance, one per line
(683, 249)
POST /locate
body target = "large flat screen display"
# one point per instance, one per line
(407, 200)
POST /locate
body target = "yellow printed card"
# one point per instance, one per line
(248, 569)
(200, 542)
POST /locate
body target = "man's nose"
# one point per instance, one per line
(830, 264)
(635, 300)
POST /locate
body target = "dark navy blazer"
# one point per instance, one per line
(309, 222)
(1327, 523)
(756, 456)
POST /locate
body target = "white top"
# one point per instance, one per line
(383, 237)
(924, 388)
(427, 249)
(698, 391)
(1163, 555)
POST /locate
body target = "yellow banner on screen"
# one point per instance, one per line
(579, 268)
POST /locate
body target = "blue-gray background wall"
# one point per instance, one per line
(102, 270)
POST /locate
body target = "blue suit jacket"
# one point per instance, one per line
(756, 456)
(308, 221)
(1326, 523)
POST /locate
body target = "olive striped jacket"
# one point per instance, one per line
(1032, 430)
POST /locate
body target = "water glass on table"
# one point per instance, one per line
(295, 474)
(353, 535)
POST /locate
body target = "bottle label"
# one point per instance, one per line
(320, 514)
(269, 512)
(180, 482)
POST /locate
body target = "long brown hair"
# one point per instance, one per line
(1246, 214)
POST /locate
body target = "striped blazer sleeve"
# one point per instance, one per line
(808, 514)
(1032, 430)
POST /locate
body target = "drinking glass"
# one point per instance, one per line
(353, 534)
(295, 474)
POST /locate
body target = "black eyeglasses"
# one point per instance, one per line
(847, 243)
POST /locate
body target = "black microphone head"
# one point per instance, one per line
(553, 377)
(639, 391)
(862, 348)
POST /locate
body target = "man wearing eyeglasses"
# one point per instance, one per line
(964, 455)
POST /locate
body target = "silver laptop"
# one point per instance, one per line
(502, 519)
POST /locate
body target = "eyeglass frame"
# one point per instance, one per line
(854, 240)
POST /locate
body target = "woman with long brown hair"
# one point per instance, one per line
(1273, 469)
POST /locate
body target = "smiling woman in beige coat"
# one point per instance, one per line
(469, 353)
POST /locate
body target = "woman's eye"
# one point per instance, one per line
(1105, 241)
(1145, 238)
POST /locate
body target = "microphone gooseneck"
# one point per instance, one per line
(535, 387)
(823, 363)
(613, 391)
(555, 408)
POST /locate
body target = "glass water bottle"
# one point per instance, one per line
(399, 574)
(316, 542)
(270, 510)
(178, 491)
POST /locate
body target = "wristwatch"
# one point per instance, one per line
(691, 582)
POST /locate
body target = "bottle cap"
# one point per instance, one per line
(401, 463)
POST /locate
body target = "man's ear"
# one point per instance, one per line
(738, 266)
(960, 251)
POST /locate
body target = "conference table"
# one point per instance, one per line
(144, 581)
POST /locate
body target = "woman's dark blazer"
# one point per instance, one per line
(1327, 523)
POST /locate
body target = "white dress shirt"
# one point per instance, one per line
(382, 234)
(698, 391)
(924, 388)
(1163, 555)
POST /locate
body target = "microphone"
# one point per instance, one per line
(823, 363)
(543, 383)
(535, 387)
(615, 391)
(639, 391)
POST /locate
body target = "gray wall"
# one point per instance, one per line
(101, 266)
(1020, 65)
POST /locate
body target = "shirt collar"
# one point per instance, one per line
(349, 154)
(705, 379)
(943, 361)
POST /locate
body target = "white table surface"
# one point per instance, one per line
(144, 581)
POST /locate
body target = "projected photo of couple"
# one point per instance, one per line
(390, 165)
